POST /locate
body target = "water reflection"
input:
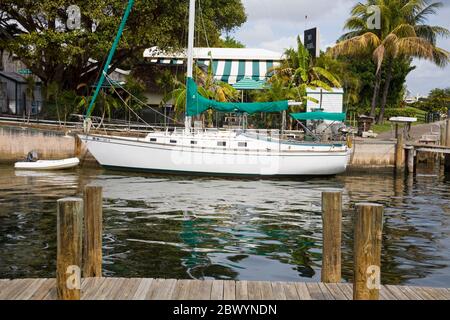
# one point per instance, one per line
(181, 227)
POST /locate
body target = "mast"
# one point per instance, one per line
(108, 61)
(190, 54)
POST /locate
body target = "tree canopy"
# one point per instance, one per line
(37, 33)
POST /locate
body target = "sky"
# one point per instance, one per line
(275, 24)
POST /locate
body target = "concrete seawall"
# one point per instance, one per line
(16, 142)
(373, 154)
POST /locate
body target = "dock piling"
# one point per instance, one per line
(332, 234)
(400, 153)
(93, 226)
(410, 155)
(69, 248)
(367, 251)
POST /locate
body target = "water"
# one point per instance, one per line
(205, 228)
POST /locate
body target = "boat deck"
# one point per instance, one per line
(161, 289)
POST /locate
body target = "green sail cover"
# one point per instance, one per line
(319, 116)
(197, 104)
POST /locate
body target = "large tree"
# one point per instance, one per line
(42, 40)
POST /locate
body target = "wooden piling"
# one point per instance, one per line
(77, 147)
(69, 248)
(93, 230)
(447, 133)
(411, 160)
(332, 230)
(367, 251)
(400, 153)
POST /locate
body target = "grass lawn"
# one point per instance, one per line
(387, 126)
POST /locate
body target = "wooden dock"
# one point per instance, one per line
(160, 289)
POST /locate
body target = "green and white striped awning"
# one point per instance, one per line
(229, 71)
(250, 84)
(233, 71)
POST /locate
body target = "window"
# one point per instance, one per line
(221, 144)
(173, 141)
(193, 142)
(153, 139)
(242, 144)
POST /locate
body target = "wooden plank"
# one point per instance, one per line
(6, 288)
(438, 294)
(21, 288)
(315, 292)
(396, 292)
(14, 288)
(44, 289)
(278, 291)
(193, 290)
(181, 290)
(303, 291)
(123, 289)
(266, 290)
(241, 290)
(30, 290)
(326, 293)
(254, 292)
(290, 291)
(161, 289)
(347, 290)
(204, 290)
(217, 290)
(335, 291)
(385, 294)
(422, 293)
(142, 290)
(229, 290)
(104, 290)
(409, 293)
(92, 285)
(52, 293)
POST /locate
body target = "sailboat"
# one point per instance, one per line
(196, 151)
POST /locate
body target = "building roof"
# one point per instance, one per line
(13, 76)
(218, 54)
(229, 65)
(16, 77)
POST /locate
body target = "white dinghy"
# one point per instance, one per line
(48, 164)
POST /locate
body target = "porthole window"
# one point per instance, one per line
(173, 141)
(153, 139)
(193, 142)
(242, 144)
(221, 144)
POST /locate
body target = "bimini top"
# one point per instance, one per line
(197, 104)
(319, 116)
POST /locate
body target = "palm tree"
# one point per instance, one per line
(302, 72)
(403, 35)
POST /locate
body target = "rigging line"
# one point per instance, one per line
(120, 97)
(144, 104)
(203, 22)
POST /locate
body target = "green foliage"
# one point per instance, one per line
(295, 75)
(230, 42)
(404, 35)
(56, 54)
(438, 101)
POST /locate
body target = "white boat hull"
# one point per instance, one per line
(48, 164)
(139, 155)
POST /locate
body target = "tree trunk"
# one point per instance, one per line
(376, 92)
(387, 84)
